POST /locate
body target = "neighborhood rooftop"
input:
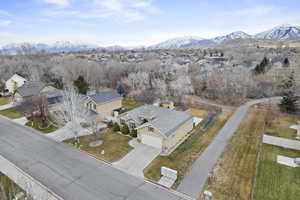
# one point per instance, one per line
(165, 120)
(104, 97)
(30, 88)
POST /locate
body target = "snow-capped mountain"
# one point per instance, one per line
(282, 32)
(62, 46)
(231, 36)
(177, 42)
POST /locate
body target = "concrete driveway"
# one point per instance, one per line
(6, 106)
(65, 133)
(137, 159)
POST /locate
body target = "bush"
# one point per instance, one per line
(134, 133)
(116, 127)
(125, 130)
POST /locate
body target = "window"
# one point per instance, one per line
(151, 129)
(122, 121)
(132, 125)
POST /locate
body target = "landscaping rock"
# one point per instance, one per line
(96, 143)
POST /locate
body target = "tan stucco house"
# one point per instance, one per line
(14, 83)
(159, 127)
(103, 104)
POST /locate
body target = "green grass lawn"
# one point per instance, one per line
(10, 113)
(281, 126)
(182, 159)
(130, 104)
(4, 100)
(36, 126)
(275, 181)
(114, 144)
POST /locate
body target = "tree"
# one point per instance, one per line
(286, 62)
(41, 106)
(72, 111)
(125, 130)
(261, 68)
(81, 85)
(116, 127)
(289, 100)
(120, 89)
(134, 133)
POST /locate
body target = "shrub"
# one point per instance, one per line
(125, 130)
(116, 127)
(134, 133)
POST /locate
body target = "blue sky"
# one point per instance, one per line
(138, 22)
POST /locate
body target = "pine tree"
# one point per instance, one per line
(289, 101)
(81, 85)
(261, 68)
(286, 62)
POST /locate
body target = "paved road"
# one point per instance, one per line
(69, 173)
(194, 181)
(142, 155)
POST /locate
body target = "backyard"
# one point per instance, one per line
(130, 104)
(183, 158)
(281, 126)
(275, 181)
(115, 145)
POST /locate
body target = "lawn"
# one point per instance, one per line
(233, 176)
(281, 126)
(10, 113)
(114, 144)
(197, 112)
(275, 181)
(36, 125)
(182, 159)
(130, 104)
(4, 100)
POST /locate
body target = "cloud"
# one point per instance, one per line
(120, 10)
(5, 13)
(257, 11)
(4, 22)
(58, 2)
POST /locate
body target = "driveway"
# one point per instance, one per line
(65, 133)
(137, 159)
(6, 106)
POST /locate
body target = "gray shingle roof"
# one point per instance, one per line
(104, 97)
(165, 120)
(30, 88)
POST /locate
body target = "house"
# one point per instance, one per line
(32, 88)
(158, 127)
(14, 82)
(103, 104)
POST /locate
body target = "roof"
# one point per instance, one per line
(17, 77)
(30, 88)
(104, 97)
(165, 120)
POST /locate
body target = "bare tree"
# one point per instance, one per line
(71, 111)
(41, 106)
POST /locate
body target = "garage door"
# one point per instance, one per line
(152, 141)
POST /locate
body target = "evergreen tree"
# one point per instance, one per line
(120, 89)
(286, 62)
(125, 129)
(289, 101)
(116, 127)
(81, 85)
(261, 68)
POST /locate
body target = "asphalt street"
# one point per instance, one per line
(69, 173)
